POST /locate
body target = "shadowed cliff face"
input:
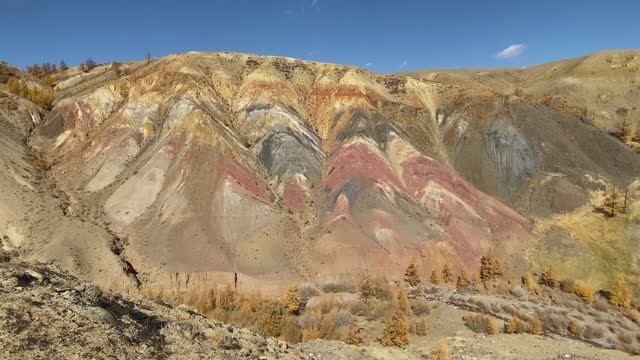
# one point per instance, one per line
(282, 170)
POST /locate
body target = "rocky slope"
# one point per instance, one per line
(48, 314)
(178, 173)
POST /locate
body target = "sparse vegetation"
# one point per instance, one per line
(116, 67)
(88, 65)
(225, 299)
(34, 94)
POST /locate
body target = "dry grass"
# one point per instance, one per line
(343, 287)
(39, 97)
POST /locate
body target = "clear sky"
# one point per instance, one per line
(380, 35)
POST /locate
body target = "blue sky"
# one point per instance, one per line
(383, 36)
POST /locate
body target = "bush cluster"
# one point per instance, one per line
(39, 97)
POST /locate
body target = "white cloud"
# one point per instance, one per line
(314, 3)
(511, 51)
(403, 64)
(368, 65)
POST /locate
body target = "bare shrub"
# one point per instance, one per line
(625, 337)
(529, 283)
(567, 285)
(515, 326)
(441, 353)
(307, 292)
(633, 315)
(358, 308)
(225, 298)
(480, 323)
(290, 330)
(592, 332)
(534, 326)
(325, 304)
(318, 326)
(378, 288)
(420, 307)
(341, 317)
(552, 320)
(88, 65)
(419, 326)
(378, 309)
(602, 305)
(343, 287)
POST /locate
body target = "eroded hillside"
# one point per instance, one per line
(197, 166)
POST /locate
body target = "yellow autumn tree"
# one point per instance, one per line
(292, 299)
(411, 275)
(621, 294)
(490, 267)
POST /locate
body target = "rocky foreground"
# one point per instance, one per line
(48, 314)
